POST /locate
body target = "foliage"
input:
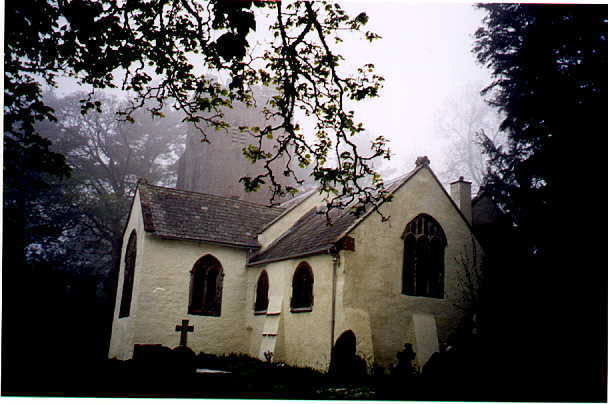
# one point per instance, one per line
(72, 227)
(151, 49)
(28, 55)
(548, 65)
(471, 280)
(106, 156)
(28, 162)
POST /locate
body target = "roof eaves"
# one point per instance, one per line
(325, 249)
(202, 240)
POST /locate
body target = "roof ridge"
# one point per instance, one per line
(213, 195)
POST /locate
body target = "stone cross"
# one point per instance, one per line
(184, 329)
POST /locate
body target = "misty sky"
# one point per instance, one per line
(425, 57)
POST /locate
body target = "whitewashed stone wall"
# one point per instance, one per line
(123, 330)
(161, 293)
(368, 290)
(373, 272)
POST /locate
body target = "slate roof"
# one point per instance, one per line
(186, 215)
(311, 234)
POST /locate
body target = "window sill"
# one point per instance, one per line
(203, 313)
(301, 309)
(428, 297)
(259, 313)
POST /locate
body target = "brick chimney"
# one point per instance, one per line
(461, 194)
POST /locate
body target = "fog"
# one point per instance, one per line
(425, 57)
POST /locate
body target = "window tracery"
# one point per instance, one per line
(423, 258)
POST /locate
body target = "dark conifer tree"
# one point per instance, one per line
(548, 64)
(549, 67)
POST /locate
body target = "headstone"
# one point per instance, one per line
(405, 362)
(184, 329)
(425, 335)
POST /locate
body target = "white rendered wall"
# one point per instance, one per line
(372, 297)
(121, 342)
(304, 338)
(161, 293)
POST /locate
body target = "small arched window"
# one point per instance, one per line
(423, 258)
(129, 274)
(302, 286)
(206, 279)
(261, 294)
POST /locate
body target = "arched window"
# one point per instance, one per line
(261, 294)
(423, 257)
(206, 279)
(302, 283)
(127, 283)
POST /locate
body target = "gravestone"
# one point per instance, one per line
(426, 342)
(184, 329)
(183, 357)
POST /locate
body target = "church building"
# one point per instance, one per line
(280, 283)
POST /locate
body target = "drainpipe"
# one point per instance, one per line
(336, 262)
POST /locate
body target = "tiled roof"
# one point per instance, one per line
(311, 234)
(177, 214)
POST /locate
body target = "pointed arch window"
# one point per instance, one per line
(424, 244)
(302, 287)
(206, 282)
(129, 275)
(261, 294)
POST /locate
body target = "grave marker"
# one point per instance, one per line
(184, 329)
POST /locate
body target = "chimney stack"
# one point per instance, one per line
(461, 194)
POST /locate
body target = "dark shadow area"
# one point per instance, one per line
(464, 373)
